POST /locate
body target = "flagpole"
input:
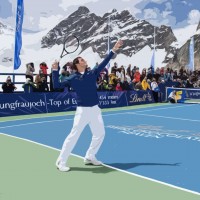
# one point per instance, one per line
(108, 65)
(154, 44)
(108, 34)
(193, 52)
(153, 54)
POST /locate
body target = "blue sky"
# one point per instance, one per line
(5, 9)
(38, 13)
(178, 12)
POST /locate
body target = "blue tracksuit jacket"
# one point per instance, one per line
(83, 84)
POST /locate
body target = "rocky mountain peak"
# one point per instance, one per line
(82, 10)
(198, 27)
(92, 31)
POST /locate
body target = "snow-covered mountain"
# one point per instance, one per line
(92, 31)
(6, 44)
(181, 57)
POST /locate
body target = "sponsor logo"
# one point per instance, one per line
(135, 98)
(157, 132)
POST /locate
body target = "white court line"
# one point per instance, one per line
(12, 120)
(59, 120)
(123, 113)
(165, 108)
(35, 123)
(124, 171)
(183, 119)
(74, 113)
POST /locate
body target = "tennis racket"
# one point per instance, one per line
(70, 45)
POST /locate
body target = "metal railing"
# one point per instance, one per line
(13, 77)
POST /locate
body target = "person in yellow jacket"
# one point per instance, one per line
(145, 84)
(112, 79)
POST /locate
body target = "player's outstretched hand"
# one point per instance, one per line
(118, 44)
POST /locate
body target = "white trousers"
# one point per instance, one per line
(84, 116)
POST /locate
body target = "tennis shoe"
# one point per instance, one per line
(92, 162)
(61, 167)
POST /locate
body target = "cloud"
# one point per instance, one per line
(44, 22)
(46, 13)
(5, 9)
(168, 6)
(193, 17)
(66, 3)
(158, 1)
(150, 13)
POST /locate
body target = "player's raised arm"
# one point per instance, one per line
(55, 77)
(103, 64)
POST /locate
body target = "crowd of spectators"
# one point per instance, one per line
(117, 78)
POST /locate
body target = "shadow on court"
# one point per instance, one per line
(133, 165)
(97, 170)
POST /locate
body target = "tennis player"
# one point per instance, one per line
(87, 112)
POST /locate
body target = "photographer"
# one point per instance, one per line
(8, 86)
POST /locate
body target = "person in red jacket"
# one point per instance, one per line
(136, 76)
(43, 67)
(118, 87)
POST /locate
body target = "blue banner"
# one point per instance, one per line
(18, 33)
(139, 97)
(22, 104)
(35, 103)
(61, 101)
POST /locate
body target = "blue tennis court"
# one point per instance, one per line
(160, 143)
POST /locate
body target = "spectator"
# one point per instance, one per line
(168, 76)
(29, 71)
(118, 87)
(150, 73)
(144, 73)
(112, 80)
(8, 86)
(155, 90)
(157, 74)
(189, 84)
(121, 74)
(29, 86)
(128, 70)
(145, 84)
(138, 86)
(43, 87)
(125, 85)
(43, 67)
(105, 85)
(38, 79)
(64, 73)
(136, 76)
(133, 72)
(114, 68)
(128, 78)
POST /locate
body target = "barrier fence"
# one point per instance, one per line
(34, 103)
